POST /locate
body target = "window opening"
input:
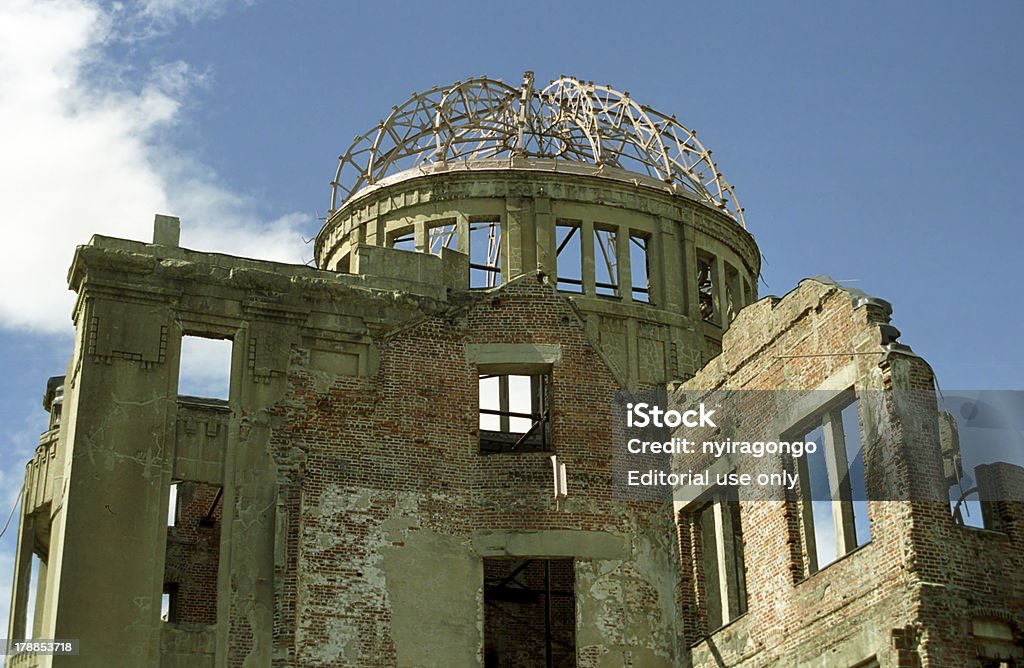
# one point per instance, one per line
(569, 257)
(192, 557)
(835, 508)
(205, 369)
(640, 267)
(34, 602)
(172, 505)
(484, 253)
(403, 239)
(169, 603)
(445, 235)
(706, 287)
(606, 270)
(515, 413)
(721, 542)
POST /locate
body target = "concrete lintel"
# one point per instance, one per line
(517, 354)
(815, 401)
(556, 543)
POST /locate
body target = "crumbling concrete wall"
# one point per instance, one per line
(356, 508)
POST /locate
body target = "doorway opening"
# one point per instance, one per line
(529, 613)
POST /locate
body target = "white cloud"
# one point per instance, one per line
(82, 157)
(83, 151)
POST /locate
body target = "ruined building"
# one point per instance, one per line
(499, 265)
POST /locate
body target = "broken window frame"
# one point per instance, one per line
(563, 282)
(537, 438)
(845, 508)
(606, 240)
(492, 260)
(723, 561)
(641, 241)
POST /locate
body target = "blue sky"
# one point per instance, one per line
(876, 142)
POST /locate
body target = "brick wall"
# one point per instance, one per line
(905, 598)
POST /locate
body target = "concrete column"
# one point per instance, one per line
(544, 233)
(250, 494)
(375, 232)
(462, 230)
(587, 253)
(623, 265)
(109, 538)
(668, 267)
(17, 624)
(718, 281)
(419, 236)
(40, 604)
(688, 285)
(517, 243)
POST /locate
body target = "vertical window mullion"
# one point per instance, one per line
(722, 557)
(839, 483)
(503, 402)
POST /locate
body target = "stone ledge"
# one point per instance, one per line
(555, 543)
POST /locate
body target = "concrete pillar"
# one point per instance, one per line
(259, 363)
(587, 253)
(544, 233)
(668, 267)
(108, 540)
(623, 265)
(688, 285)
(17, 624)
(718, 280)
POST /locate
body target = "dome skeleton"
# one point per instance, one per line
(569, 120)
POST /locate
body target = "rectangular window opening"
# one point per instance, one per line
(706, 280)
(515, 413)
(484, 253)
(192, 557)
(205, 368)
(569, 256)
(443, 235)
(833, 488)
(172, 505)
(403, 239)
(724, 583)
(606, 266)
(169, 603)
(34, 600)
(529, 612)
(640, 267)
